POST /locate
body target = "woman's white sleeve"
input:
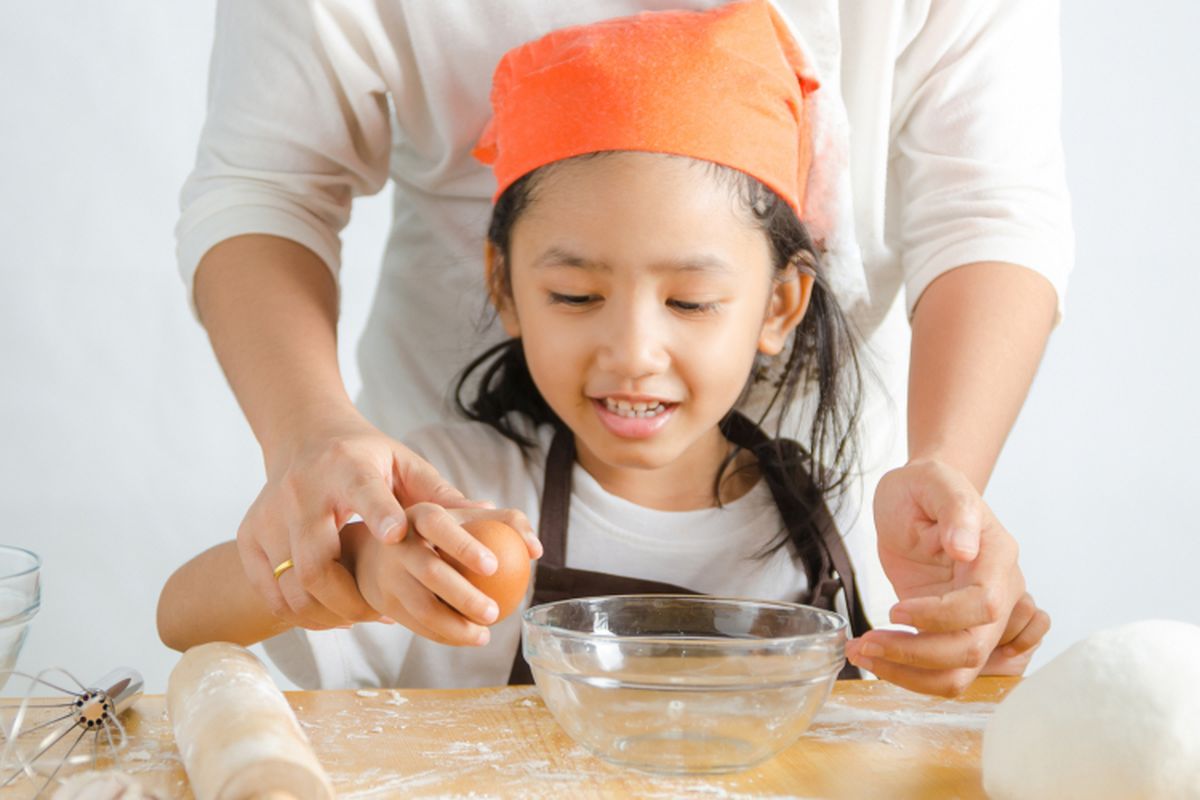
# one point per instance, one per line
(297, 125)
(977, 151)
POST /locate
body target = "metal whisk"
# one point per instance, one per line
(92, 710)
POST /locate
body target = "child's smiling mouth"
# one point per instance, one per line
(633, 420)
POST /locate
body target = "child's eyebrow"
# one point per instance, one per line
(557, 257)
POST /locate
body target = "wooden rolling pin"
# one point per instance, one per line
(235, 731)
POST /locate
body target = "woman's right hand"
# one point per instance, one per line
(343, 467)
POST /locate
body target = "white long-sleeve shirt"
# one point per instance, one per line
(954, 157)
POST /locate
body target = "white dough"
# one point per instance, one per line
(1115, 717)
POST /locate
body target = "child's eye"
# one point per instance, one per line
(571, 299)
(693, 308)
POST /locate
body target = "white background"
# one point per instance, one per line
(123, 453)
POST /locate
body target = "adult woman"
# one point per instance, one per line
(956, 177)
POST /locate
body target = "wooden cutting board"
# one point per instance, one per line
(871, 740)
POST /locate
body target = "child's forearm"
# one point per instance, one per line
(209, 599)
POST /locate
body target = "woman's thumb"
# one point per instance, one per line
(952, 501)
(418, 482)
(961, 528)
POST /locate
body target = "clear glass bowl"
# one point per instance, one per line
(20, 599)
(683, 684)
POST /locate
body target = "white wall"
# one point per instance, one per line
(122, 452)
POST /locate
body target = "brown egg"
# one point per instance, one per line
(508, 583)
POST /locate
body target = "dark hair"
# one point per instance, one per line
(821, 354)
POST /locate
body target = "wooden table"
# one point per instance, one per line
(870, 740)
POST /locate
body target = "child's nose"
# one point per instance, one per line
(635, 344)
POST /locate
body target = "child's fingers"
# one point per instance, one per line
(440, 528)
(441, 622)
(400, 615)
(520, 523)
(965, 649)
(445, 582)
(511, 517)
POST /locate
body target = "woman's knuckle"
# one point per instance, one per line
(339, 448)
(975, 655)
(360, 479)
(993, 605)
(310, 574)
(958, 683)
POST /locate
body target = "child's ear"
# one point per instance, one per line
(497, 292)
(789, 301)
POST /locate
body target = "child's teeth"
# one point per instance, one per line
(625, 409)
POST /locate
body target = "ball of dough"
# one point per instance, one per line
(1115, 716)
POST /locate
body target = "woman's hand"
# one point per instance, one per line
(343, 467)
(408, 582)
(955, 571)
(1027, 626)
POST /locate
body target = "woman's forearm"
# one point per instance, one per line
(270, 308)
(978, 334)
(209, 599)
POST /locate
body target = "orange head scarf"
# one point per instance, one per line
(727, 86)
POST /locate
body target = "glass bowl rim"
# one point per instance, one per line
(840, 624)
(37, 561)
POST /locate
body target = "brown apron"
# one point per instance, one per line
(807, 518)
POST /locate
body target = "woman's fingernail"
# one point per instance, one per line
(387, 620)
(488, 562)
(871, 650)
(901, 617)
(964, 541)
(387, 527)
(864, 663)
(490, 612)
(484, 637)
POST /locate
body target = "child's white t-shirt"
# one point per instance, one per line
(709, 550)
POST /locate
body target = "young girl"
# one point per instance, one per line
(647, 256)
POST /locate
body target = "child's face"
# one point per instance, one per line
(637, 279)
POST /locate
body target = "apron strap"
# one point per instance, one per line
(556, 499)
(806, 515)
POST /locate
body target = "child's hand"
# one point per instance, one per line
(411, 584)
(954, 568)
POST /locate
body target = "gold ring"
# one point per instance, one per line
(283, 567)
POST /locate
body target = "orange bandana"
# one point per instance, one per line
(726, 85)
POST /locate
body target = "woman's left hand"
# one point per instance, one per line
(955, 571)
